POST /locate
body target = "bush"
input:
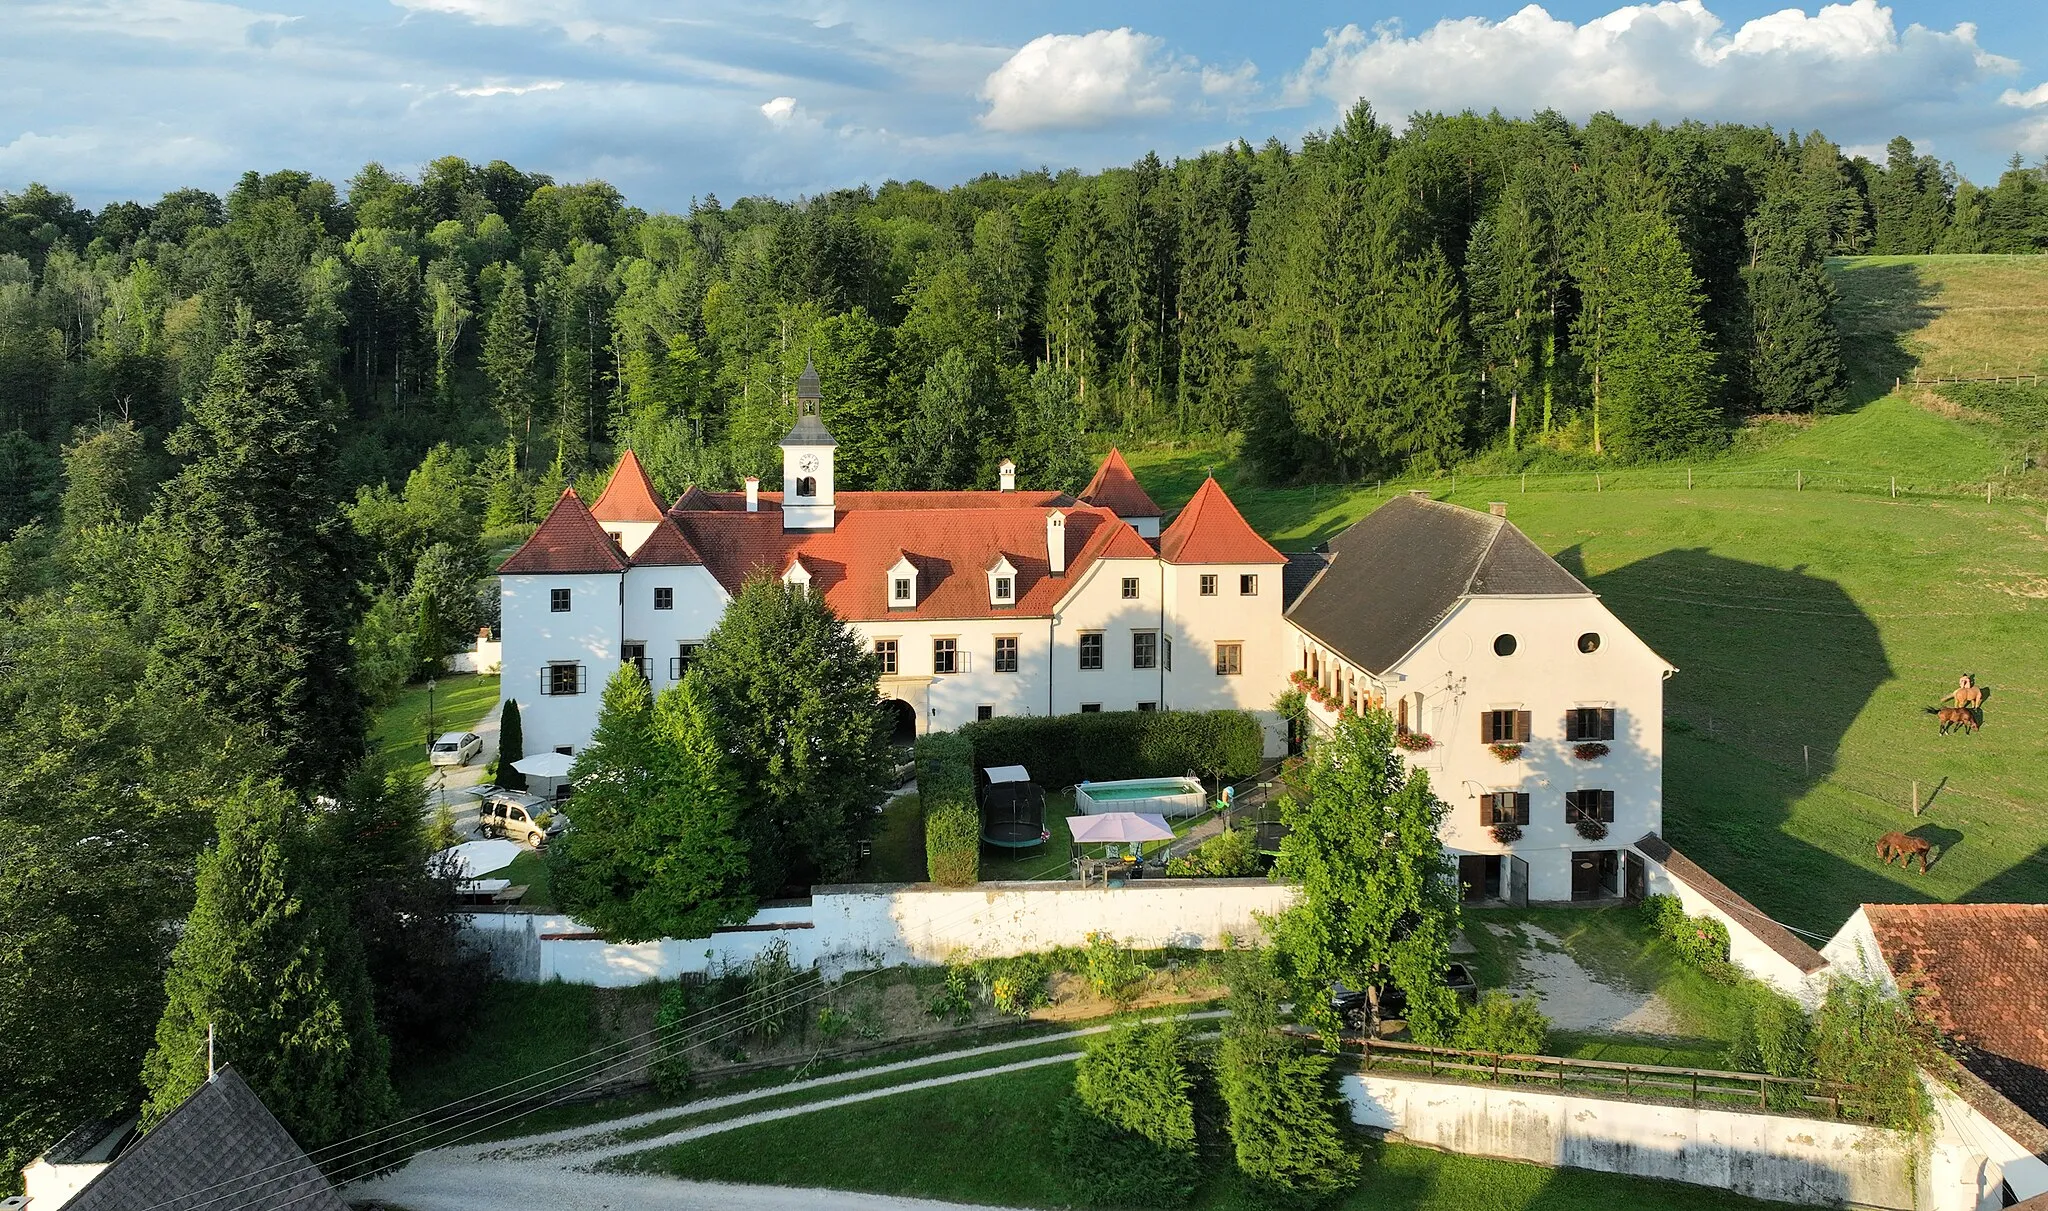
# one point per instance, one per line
(1062, 750)
(1502, 1024)
(1773, 1035)
(1017, 985)
(1863, 1035)
(952, 822)
(1230, 854)
(1114, 973)
(1128, 1139)
(1664, 913)
(1283, 1119)
(671, 1066)
(1703, 942)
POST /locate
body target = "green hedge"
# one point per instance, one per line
(1064, 749)
(952, 822)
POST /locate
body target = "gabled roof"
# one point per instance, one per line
(950, 548)
(1116, 489)
(1402, 569)
(693, 497)
(220, 1148)
(666, 548)
(629, 495)
(1211, 530)
(1979, 974)
(570, 540)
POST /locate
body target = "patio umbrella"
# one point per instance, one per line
(473, 858)
(1119, 827)
(545, 765)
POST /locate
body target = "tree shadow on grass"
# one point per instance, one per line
(1878, 308)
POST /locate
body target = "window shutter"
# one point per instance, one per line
(1571, 725)
(1607, 724)
(1485, 811)
(1521, 808)
(1607, 806)
(1486, 727)
(1523, 719)
(582, 682)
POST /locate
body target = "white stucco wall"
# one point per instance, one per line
(700, 602)
(1745, 949)
(1796, 1160)
(533, 636)
(1197, 624)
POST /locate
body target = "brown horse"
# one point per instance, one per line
(1905, 848)
(1968, 694)
(1956, 716)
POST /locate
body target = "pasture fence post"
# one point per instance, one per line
(1916, 797)
(1688, 479)
(1596, 482)
(1987, 493)
(1799, 481)
(1525, 483)
(1895, 487)
(1806, 755)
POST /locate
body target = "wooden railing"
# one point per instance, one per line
(1600, 1078)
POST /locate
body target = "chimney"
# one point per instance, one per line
(1006, 476)
(1499, 508)
(1056, 542)
(753, 494)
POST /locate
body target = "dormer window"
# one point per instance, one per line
(796, 575)
(1002, 582)
(903, 584)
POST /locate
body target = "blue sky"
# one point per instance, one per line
(672, 99)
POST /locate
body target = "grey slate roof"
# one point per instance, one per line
(1396, 573)
(808, 431)
(220, 1149)
(1301, 569)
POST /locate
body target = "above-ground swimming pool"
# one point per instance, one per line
(1160, 796)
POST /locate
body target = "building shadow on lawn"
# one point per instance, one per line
(1775, 667)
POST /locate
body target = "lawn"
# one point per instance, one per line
(990, 1141)
(518, 1030)
(898, 852)
(530, 868)
(460, 700)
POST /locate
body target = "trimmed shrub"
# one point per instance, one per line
(1230, 854)
(1107, 745)
(1703, 942)
(1285, 1122)
(1128, 1137)
(1664, 913)
(952, 822)
(1504, 1025)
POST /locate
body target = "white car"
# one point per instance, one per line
(455, 748)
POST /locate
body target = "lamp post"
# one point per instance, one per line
(430, 714)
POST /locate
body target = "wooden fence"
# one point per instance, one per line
(1601, 1078)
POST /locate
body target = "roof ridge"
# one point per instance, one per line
(1499, 524)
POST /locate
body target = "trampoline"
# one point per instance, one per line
(1012, 808)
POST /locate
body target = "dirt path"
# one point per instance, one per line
(1577, 999)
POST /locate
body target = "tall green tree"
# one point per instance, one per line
(257, 593)
(511, 746)
(509, 356)
(1378, 899)
(1282, 1112)
(793, 690)
(269, 961)
(1795, 360)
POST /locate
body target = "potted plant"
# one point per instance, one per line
(1592, 750)
(1504, 753)
(1507, 832)
(1415, 742)
(1591, 828)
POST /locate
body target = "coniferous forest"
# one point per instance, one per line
(251, 445)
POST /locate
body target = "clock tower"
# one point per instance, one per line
(807, 461)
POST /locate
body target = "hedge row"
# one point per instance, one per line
(952, 823)
(1108, 745)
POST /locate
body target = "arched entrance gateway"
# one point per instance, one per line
(902, 721)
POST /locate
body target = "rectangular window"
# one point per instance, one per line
(1208, 584)
(664, 599)
(679, 664)
(1504, 727)
(1144, 649)
(565, 750)
(1091, 708)
(1248, 585)
(558, 601)
(945, 655)
(1130, 588)
(562, 678)
(1091, 650)
(1148, 706)
(1006, 654)
(885, 651)
(1589, 805)
(900, 591)
(1229, 659)
(1504, 807)
(984, 711)
(1003, 588)
(1589, 723)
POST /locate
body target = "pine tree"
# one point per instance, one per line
(257, 594)
(951, 440)
(508, 360)
(269, 961)
(1509, 311)
(1796, 352)
(1209, 290)
(1425, 419)
(511, 746)
(593, 868)
(793, 690)
(1052, 433)
(1659, 371)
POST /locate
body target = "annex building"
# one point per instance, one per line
(1021, 601)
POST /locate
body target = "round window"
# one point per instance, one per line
(1589, 642)
(1504, 645)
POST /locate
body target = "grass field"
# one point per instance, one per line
(460, 701)
(1812, 627)
(990, 1141)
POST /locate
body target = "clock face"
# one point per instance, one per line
(808, 462)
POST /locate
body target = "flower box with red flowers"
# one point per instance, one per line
(1415, 742)
(1591, 751)
(1504, 753)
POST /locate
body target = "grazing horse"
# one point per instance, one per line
(1956, 716)
(1905, 848)
(1968, 694)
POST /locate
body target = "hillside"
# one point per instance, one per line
(1812, 626)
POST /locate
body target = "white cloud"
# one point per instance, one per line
(1669, 59)
(780, 110)
(495, 88)
(1074, 80)
(2033, 98)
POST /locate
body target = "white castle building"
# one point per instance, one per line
(1012, 601)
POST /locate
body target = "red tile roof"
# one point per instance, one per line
(697, 500)
(1116, 489)
(694, 497)
(570, 540)
(666, 548)
(1211, 530)
(1980, 975)
(629, 495)
(952, 548)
